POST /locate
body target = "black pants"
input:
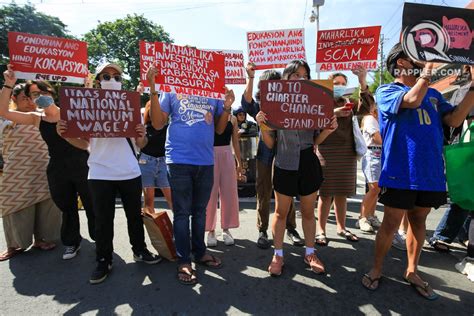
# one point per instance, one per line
(103, 198)
(66, 180)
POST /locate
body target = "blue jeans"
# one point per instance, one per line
(191, 188)
(455, 222)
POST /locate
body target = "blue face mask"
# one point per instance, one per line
(43, 101)
(339, 91)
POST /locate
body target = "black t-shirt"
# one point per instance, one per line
(156, 141)
(224, 138)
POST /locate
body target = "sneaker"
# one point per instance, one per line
(466, 266)
(374, 221)
(262, 241)
(211, 239)
(71, 252)
(101, 272)
(314, 263)
(228, 239)
(294, 237)
(364, 225)
(147, 257)
(276, 266)
(399, 241)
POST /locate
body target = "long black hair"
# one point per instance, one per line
(293, 66)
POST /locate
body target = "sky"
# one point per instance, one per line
(217, 24)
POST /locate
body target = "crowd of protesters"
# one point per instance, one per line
(195, 160)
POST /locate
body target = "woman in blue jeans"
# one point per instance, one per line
(152, 163)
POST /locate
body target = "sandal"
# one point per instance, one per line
(186, 275)
(348, 235)
(210, 262)
(43, 245)
(440, 246)
(321, 240)
(424, 289)
(10, 253)
(371, 282)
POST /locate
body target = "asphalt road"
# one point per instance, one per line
(41, 283)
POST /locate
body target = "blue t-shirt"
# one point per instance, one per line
(190, 138)
(412, 151)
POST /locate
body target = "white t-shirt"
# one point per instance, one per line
(371, 126)
(112, 159)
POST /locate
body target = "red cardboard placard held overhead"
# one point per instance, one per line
(39, 57)
(99, 113)
(234, 66)
(297, 104)
(183, 69)
(345, 49)
(275, 49)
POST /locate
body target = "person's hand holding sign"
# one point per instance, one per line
(61, 127)
(250, 68)
(361, 73)
(150, 76)
(261, 118)
(325, 132)
(229, 98)
(9, 76)
(141, 140)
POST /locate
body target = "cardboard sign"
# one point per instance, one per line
(39, 57)
(345, 49)
(185, 70)
(234, 66)
(297, 104)
(99, 113)
(275, 49)
(438, 33)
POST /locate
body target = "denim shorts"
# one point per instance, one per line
(154, 172)
(371, 165)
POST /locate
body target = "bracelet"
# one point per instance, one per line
(424, 76)
(7, 86)
(251, 77)
(154, 93)
(471, 88)
(228, 110)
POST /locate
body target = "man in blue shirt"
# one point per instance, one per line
(190, 159)
(412, 178)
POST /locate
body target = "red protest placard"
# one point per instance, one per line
(345, 49)
(297, 104)
(234, 66)
(275, 49)
(99, 113)
(184, 70)
(39, 57)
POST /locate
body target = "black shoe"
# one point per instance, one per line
(294, 237)
(262, 241)
(101, 272)
(147, 257)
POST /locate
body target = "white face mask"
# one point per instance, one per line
(111, 85)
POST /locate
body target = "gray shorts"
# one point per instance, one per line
(371, 165)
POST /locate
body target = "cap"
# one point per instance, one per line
(238, 110)
(395, 53)
(102, 66)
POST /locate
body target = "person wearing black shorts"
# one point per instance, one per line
(296, 172)
(412, 179)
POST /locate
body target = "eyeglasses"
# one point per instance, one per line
(107, 77)
(35, 94)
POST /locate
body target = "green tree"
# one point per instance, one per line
(387, 78)
(14, 18)
(117, 41)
